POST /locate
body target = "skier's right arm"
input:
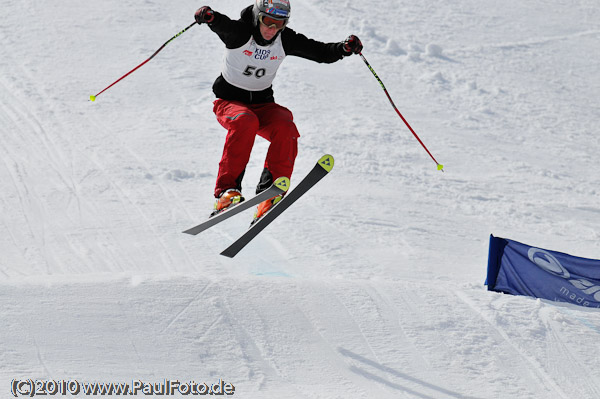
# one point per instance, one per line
(233, 33)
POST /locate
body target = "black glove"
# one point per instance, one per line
(204, 14)
(352, 45)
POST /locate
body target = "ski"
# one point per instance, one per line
(322, 168)
(280, 185)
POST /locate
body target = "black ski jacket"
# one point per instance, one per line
(237, 33)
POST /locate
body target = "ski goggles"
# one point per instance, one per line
(269, 22)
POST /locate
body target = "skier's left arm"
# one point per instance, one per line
(299, 45)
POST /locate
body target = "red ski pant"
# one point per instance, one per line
(243, 122)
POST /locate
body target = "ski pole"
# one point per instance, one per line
(439, 166)
(93, 98)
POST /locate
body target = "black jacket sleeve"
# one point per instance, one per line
(233, 33)
(299, 45)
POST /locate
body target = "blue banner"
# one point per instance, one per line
(520, 269)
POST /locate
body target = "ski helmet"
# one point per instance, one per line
(276, 9)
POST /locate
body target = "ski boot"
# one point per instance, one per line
(227, 198)
(265, 206)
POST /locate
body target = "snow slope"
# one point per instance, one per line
(371, 286)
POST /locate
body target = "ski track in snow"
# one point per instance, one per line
(369, 286)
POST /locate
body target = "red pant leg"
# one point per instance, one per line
(242, 125)
(277, 126)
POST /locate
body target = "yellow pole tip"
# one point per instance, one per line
(440, 167)
(92, 98)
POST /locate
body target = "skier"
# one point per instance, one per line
(256, 45)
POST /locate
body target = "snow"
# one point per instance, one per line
(372, 285)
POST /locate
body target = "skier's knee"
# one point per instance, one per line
(286, 129)
(244, 120)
